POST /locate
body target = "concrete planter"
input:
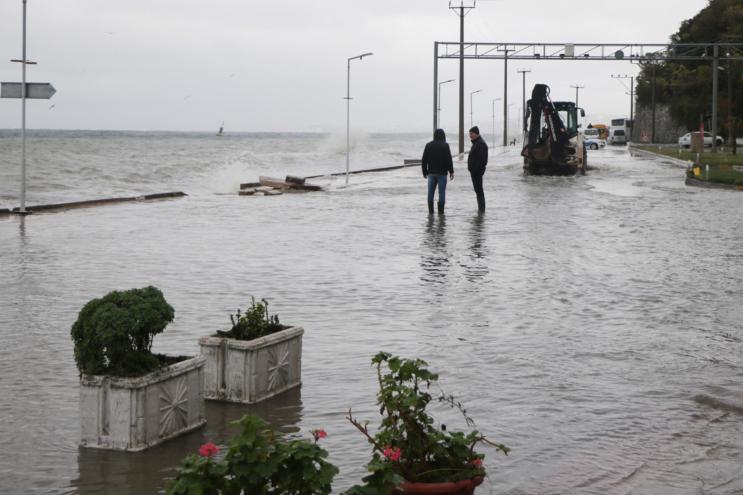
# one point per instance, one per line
(133, 414)
(249, 371)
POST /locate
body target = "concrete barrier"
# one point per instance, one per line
(96, 202)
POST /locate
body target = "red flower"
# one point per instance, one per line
(392, 453)
(318, 434)
(477, 463)
(208, 450)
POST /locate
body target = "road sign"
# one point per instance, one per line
(42, 91)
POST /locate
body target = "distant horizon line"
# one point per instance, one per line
(174, 131)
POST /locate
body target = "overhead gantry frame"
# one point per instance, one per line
(622, 52)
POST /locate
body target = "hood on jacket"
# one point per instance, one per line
(439, 135)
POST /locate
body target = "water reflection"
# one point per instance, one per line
(435, 257)
(114, 473)
(477, 267)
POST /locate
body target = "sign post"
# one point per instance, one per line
(24, 90)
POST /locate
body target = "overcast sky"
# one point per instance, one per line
(281, 66)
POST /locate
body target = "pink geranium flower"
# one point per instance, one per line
(208, 450)
(318, 434)
(477, 463)
(392, 453)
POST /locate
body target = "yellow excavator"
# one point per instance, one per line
(553, 144)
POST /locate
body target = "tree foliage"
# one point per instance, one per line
(686, 87)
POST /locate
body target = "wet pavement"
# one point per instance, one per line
(592, 324)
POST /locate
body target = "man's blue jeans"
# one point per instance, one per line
(440, 181)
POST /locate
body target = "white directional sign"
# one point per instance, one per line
(42, 91)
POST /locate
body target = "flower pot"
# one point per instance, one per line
(464, 487)
(249, 371)
(133, 414)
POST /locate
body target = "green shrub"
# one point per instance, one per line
(258, 461)
(254, 323)
(113, 335)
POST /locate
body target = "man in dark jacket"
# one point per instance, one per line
(476, 163)
(436, 162)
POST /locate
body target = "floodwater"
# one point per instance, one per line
(592, 324)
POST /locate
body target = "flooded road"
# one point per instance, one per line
(592, 324)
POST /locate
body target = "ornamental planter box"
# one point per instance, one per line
(249, 371)
(133, 414)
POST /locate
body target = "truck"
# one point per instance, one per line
(603, 130)
(553, 144)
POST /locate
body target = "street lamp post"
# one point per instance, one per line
(508, 116)
(438, 109)
(348, 109)
(473, 92)
(631, 101)
(493, 103)
(577, 87)
(523, 73)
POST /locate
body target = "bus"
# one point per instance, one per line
(620, 131)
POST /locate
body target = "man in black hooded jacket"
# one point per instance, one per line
(436, 162)
(476, 163)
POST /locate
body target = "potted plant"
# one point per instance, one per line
(410, 454)
(130, 398)
(256, 359)
(258, 461)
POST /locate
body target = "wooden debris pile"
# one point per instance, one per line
(269, 186)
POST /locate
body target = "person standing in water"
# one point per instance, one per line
(476, 163)
(436, 163)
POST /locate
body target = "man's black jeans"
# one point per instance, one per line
(477, 185)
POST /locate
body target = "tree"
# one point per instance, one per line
(686, 86)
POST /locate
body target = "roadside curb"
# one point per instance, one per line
(677, 161)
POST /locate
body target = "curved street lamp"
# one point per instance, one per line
(348, 108)
(471, 104)
(438, 115)
(493, 103)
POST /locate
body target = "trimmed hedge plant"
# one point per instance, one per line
(113, 334)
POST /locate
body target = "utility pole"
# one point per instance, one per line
(731, 128)
(462, 11)
(631, 101)
(523, 73)
(715, 84)
(576, 93)
(505, 95)
(652, 106)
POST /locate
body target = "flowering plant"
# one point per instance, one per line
(257, 461)
(409, 447)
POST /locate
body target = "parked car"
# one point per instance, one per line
(618, 136)
(685, 140)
